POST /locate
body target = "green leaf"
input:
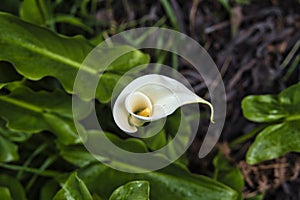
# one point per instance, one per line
(33, 112)
(5, 194)
(172, 182)
(130, 144)
(35, 11)
(69, 19)
(8, 150)
(228, 174)
(172, 128)
(97, 138)
(15, 188)
(263, 108)
(78, 155)
(14, 136)
(137, 190)
(114, 71)
(269, 108)
(275, 141)
(157, 141)
(74, 189)
(37, 52)
(49, 190)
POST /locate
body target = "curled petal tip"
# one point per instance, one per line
(211, 110)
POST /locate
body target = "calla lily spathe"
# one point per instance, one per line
(150, 98)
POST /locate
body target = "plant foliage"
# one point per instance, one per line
(38, 138)
(282, 113)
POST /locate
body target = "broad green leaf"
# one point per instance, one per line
(79, 156)
(130, 144)
(172, 130)
(14, 136)
(32, 112)
(15, 188)
(49, 190)
(291, 96)
(37, 52)
(228, 174)
(75, 189)
(64, 128)
(172, 182)
(35, 11)
(8, 150)
(268, 108)
(262, 108)
(157, 141)
(127, 61)
(137, 190)
(275, 141)
(112, 74)
(5, 194)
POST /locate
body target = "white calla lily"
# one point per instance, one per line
(150, 98)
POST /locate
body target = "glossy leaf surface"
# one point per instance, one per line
(281, 137)
(74, 188)
(37, 52)
(16, 190)
(8, 150)
(32, 112)
(268, 108)
(138, 190)
(275, 141)
(228, 174)
(172, 182)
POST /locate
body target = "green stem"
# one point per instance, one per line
(170, 13)
(31, 157)
(46, 173)
(247, 136)
(292, 118)
(292, 68)
(290, 55)
(46, 164)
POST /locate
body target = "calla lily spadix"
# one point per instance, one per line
(150, 98)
